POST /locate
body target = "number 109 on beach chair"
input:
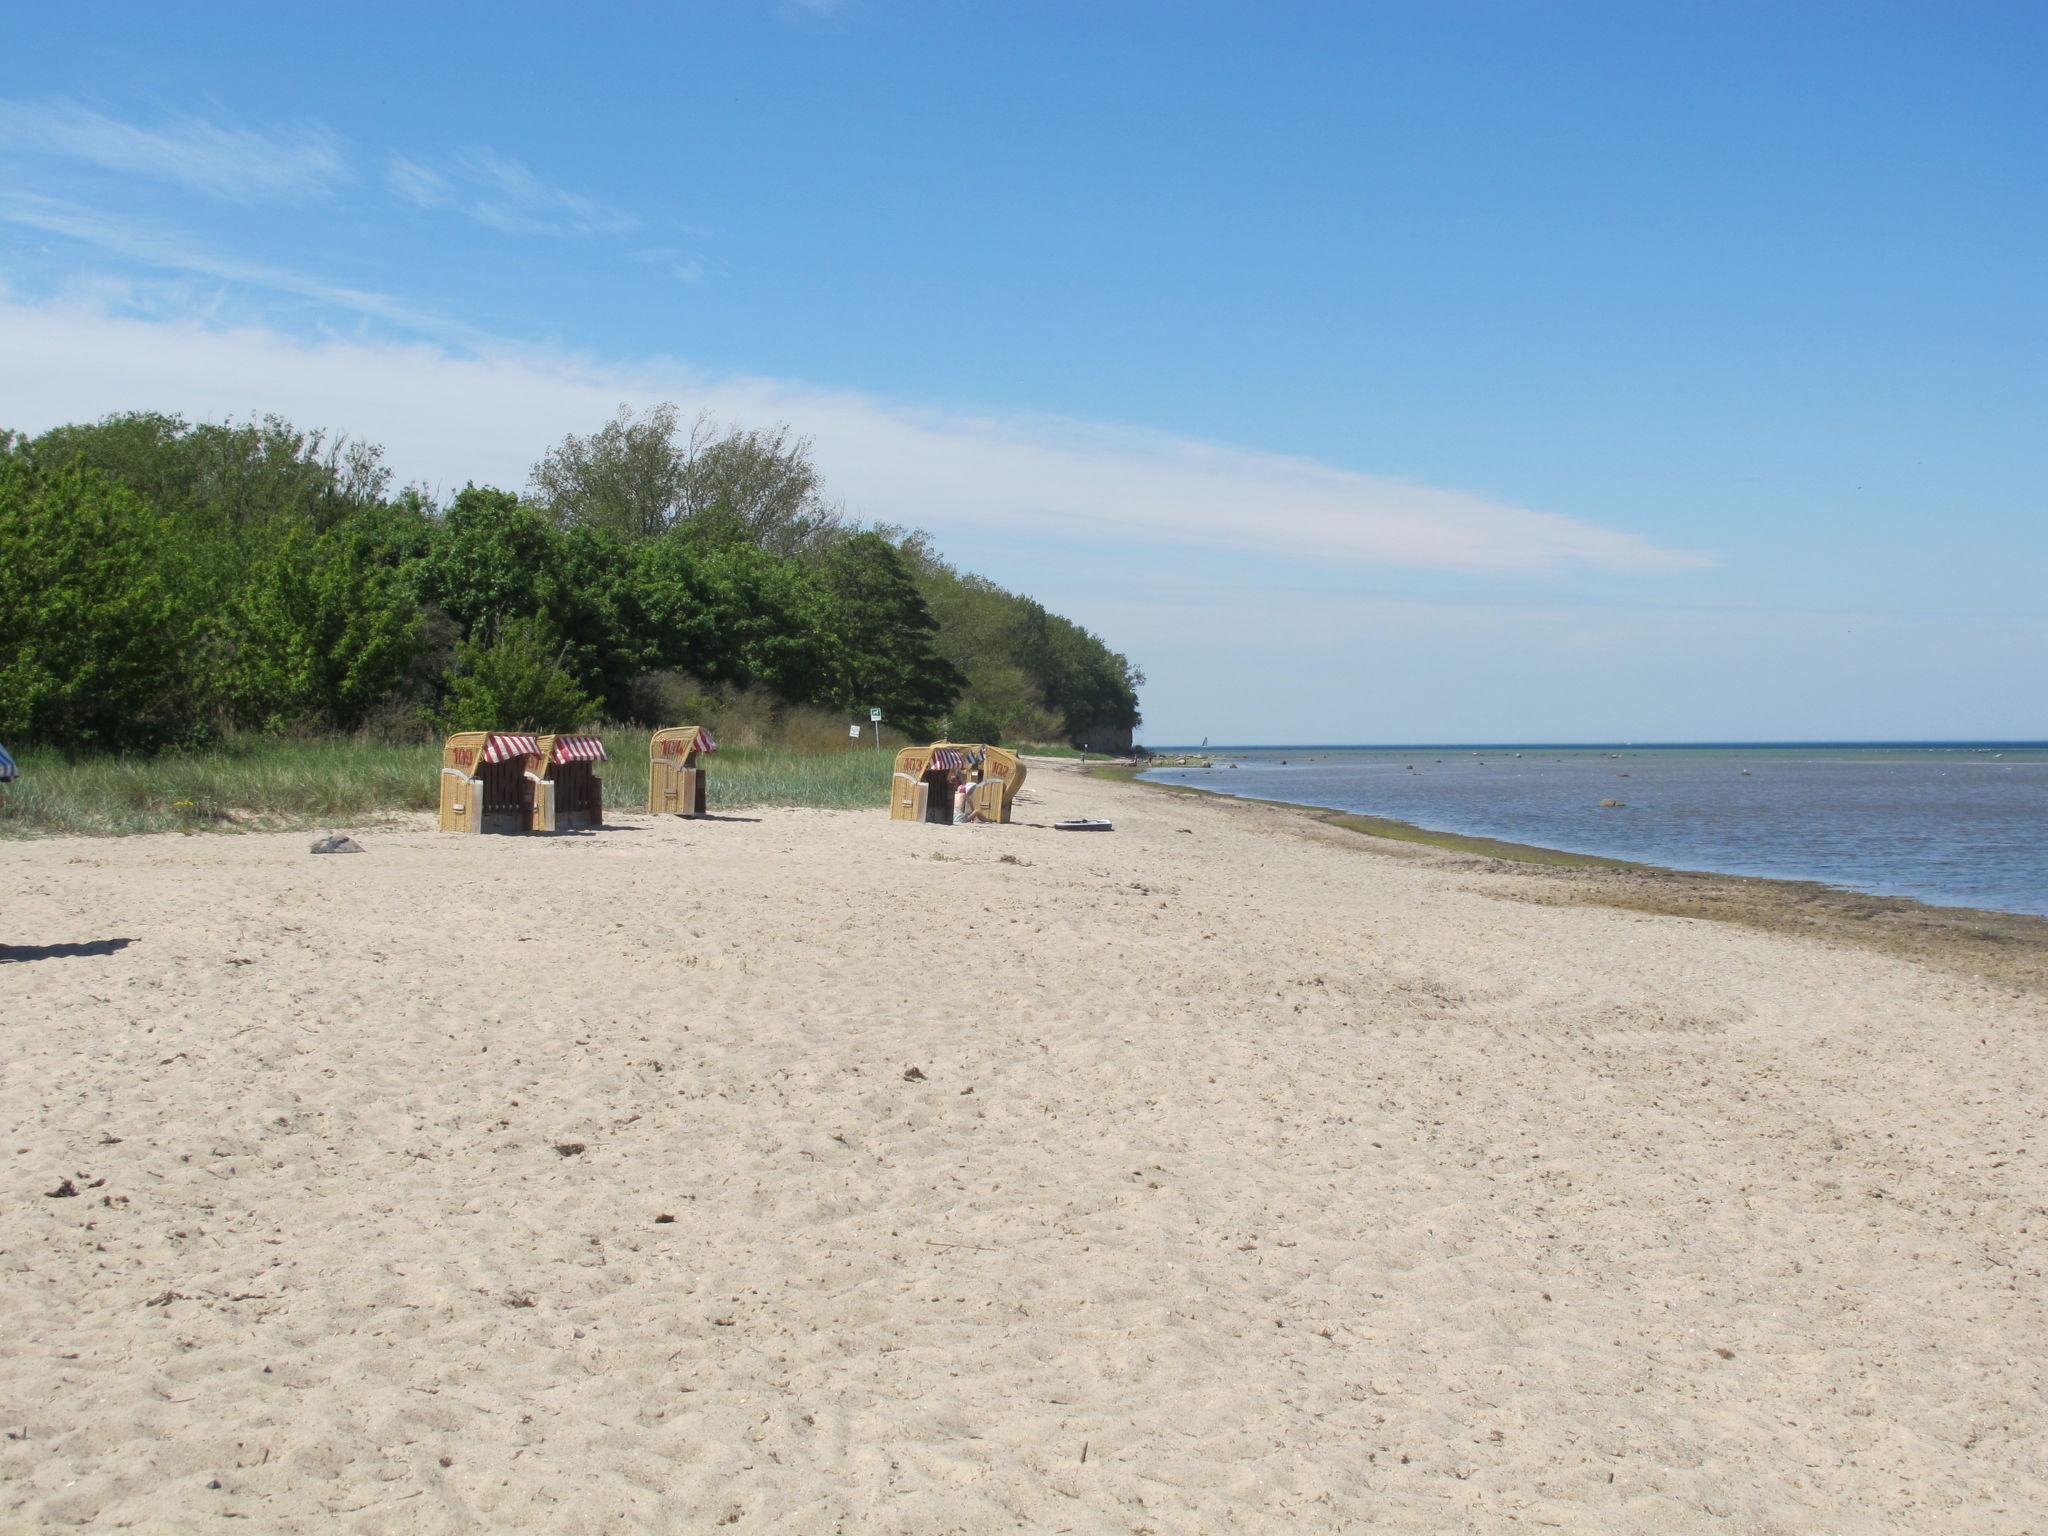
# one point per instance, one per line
(487, 781)
(513, 781)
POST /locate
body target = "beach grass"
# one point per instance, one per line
(269, 784)
(766, 776)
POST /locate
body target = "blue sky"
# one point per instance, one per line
(1367, 373)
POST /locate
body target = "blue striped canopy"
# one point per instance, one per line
(7, 768)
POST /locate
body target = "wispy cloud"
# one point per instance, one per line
(447, 417)
(679, 264)
(504, 194)
(814, 10)
(245, 164)
(151, 245)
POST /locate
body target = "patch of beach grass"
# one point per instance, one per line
(243, 784)
(765, 776)
(270, 784)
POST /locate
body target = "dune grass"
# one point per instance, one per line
(758, 776)
(265, 784)
(237, 785)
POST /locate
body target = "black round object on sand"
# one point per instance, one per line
(1081, 826)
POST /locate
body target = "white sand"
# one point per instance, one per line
(1256, 1181)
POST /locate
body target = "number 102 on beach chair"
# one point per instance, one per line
(675, 771)
(951, 782)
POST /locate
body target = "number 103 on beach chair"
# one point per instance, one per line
(951, 782)
(675, 771)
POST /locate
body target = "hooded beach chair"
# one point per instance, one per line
(568, 795)
(675, 772)
(926, 777)
(487, 782)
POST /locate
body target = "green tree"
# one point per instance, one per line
(493, 558)
(1094, 689)
(638, 477)
(161, 578)
(688, 610)
(97, 611)
(597, 606)
(1042, 676)
(779, 619)
(878, 634)
(727, 613)
(630, 478)
(228, 480)
(322, 632)
(970, 721)
(515, 682)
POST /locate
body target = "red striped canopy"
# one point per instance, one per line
(704, 742)
(954, 759)
(504, 746)
(579, 749)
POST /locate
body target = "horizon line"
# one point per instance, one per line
(1468, 746)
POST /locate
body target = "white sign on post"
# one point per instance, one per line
(853, 731)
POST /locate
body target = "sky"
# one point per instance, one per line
(1423, 372)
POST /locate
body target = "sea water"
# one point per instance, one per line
(1954, 824)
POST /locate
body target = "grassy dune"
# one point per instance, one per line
(267, 784)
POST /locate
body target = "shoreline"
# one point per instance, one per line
(824, 1171)
(1981, 942)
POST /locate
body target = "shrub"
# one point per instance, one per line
(516, 682)
(96, 612)
(319, 635)
(975, 722)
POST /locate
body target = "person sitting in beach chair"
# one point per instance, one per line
(968, 808)
(929, 782)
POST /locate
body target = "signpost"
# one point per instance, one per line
(875, 715)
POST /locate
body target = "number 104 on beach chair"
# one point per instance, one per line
(675, 771)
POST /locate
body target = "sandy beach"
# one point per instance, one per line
(808, 1172)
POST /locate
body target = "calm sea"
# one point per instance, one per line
(1954, 824)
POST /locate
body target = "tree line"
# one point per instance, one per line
(163, 582)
